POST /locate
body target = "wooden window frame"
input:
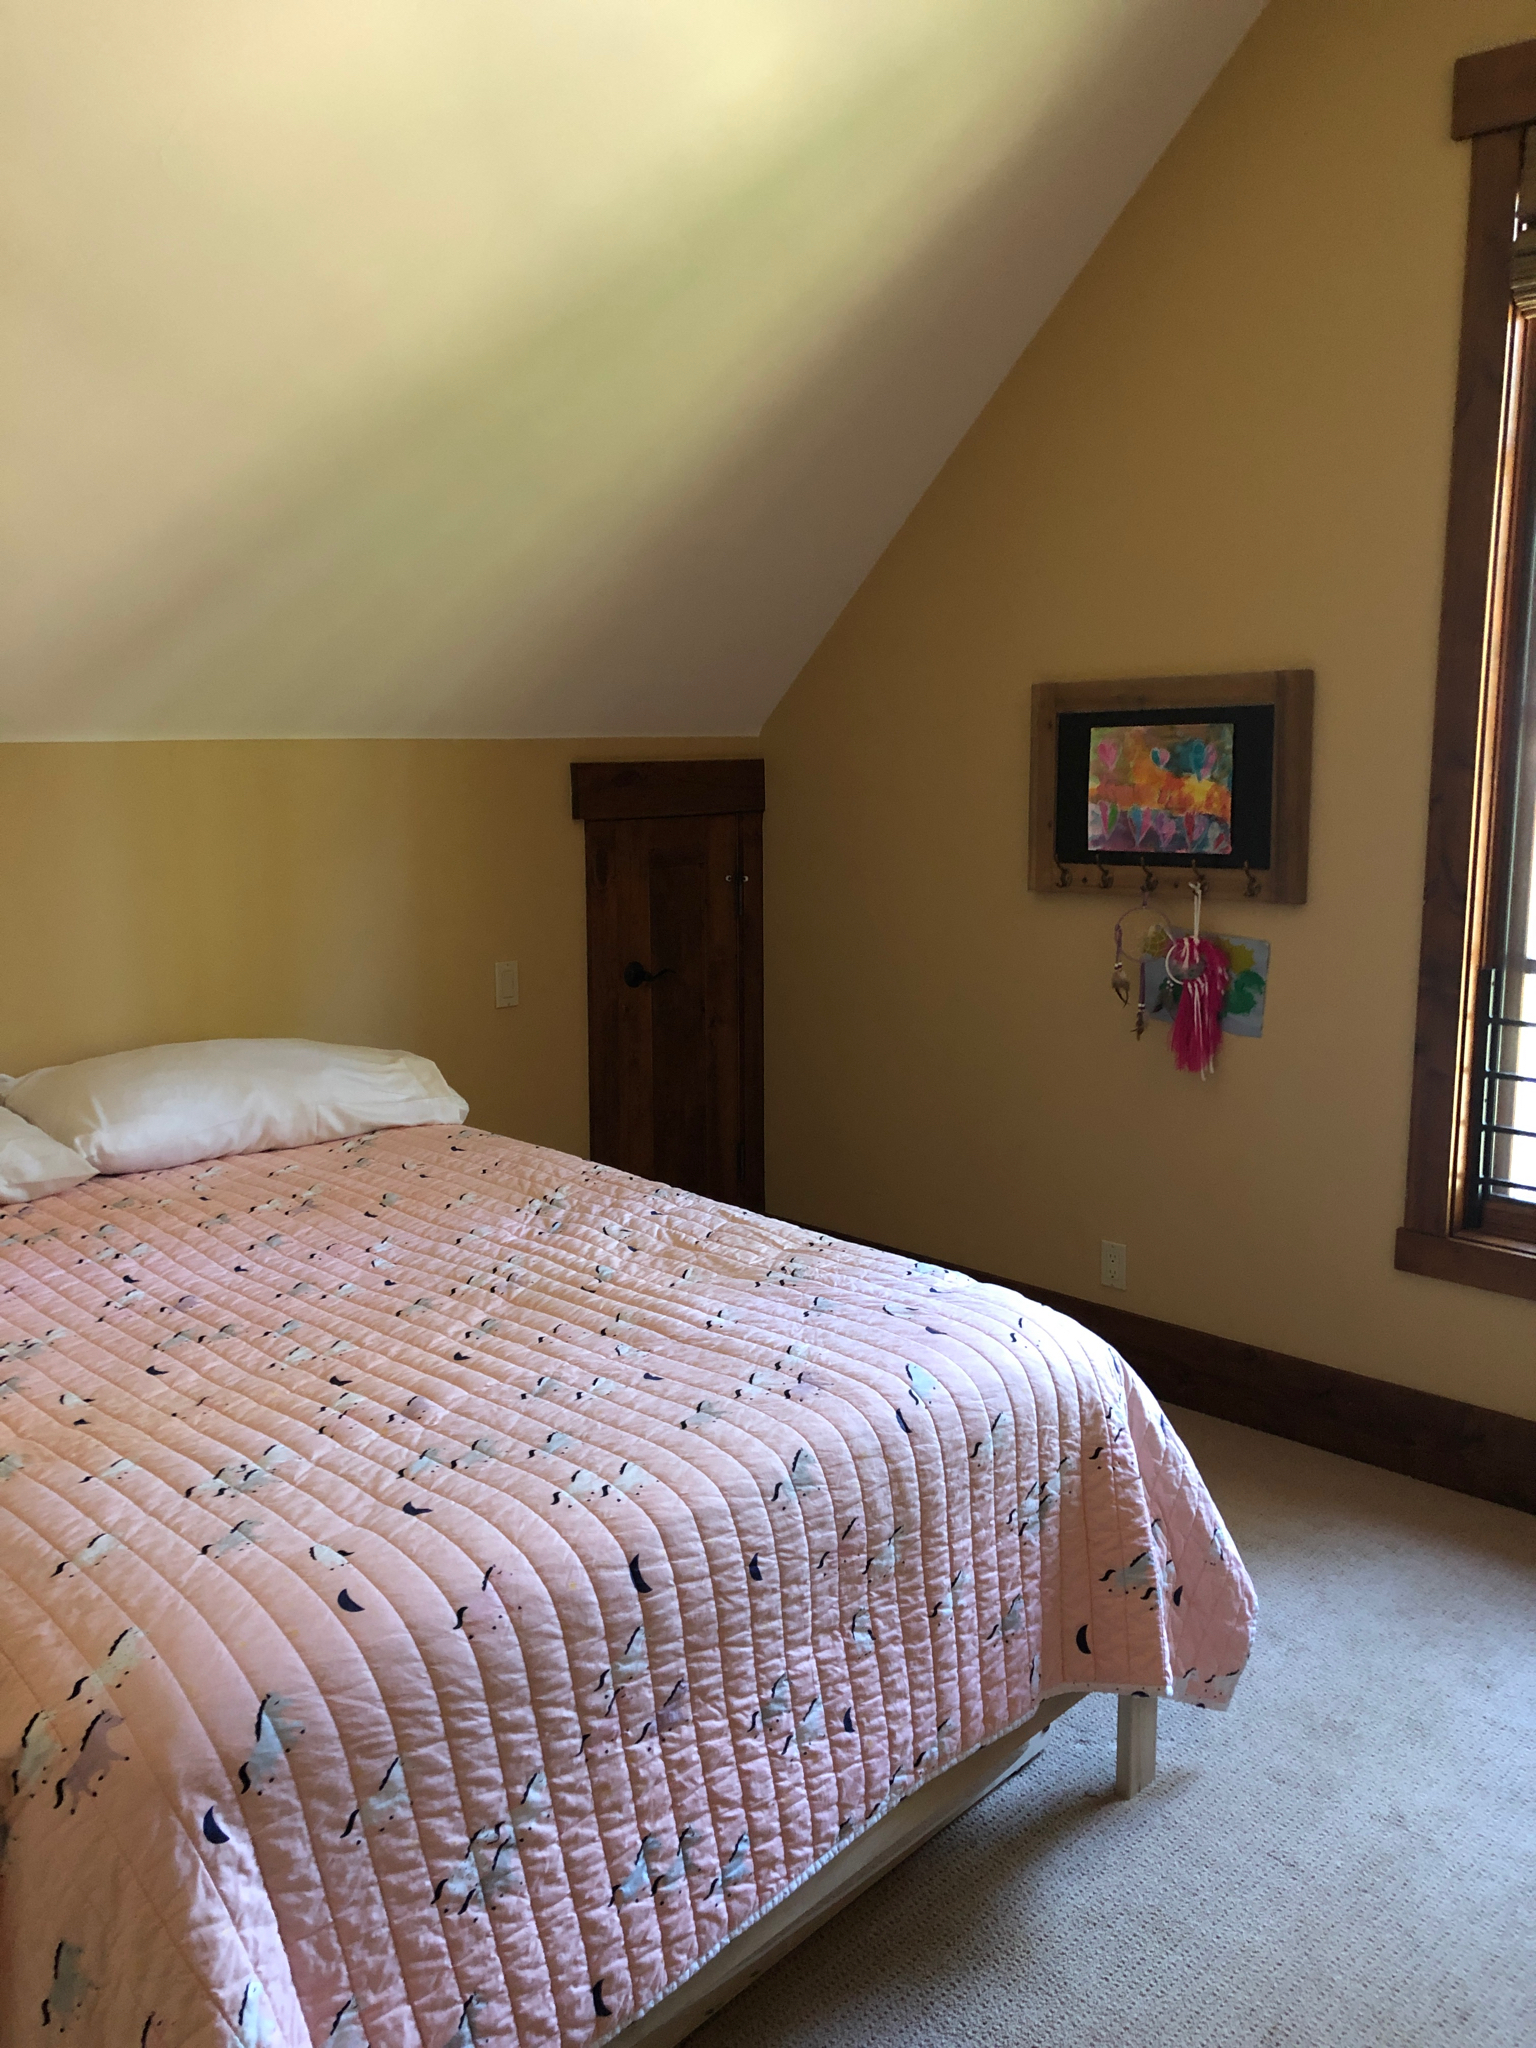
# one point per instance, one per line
(1495, 439)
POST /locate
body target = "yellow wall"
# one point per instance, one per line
(1227, 449)
(352, 890)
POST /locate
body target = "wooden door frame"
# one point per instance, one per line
(665, 789)
(609, 791)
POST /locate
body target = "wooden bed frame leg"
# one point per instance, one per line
(1135, 1743)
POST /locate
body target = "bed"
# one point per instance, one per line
(455, 1593)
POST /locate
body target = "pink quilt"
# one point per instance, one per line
(447, 1587)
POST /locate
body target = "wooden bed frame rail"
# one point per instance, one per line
(866, 1859)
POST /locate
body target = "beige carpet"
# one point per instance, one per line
(1346, 1857)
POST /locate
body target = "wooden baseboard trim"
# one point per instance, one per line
(1471, 1450)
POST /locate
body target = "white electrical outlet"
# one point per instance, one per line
(506, 984)
(1111, 1264)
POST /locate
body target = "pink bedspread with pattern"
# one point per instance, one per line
(447, 1587)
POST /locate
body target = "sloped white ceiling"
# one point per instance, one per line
(517, 366)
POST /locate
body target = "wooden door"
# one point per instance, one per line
(675, 971)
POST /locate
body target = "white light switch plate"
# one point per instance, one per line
(1111, 1264)
(506, 984)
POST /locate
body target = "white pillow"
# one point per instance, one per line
(165, 1105)
(33, 1164)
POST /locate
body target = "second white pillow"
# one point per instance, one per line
(33, 1164)
(167, 1105)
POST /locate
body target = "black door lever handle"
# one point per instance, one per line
(636, 976)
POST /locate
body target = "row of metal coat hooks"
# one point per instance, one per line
(1149, 881)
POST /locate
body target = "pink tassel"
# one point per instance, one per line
(1201, 970)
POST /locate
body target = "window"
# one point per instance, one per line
(1504, 1200)
(1471, 1206)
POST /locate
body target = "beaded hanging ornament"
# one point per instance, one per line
(1120, 980)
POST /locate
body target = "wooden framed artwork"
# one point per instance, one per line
(1133, 782)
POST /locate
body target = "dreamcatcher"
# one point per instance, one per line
(1196, 969)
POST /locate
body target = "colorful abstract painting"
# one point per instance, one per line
(1160, 789)
(1248, 963)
